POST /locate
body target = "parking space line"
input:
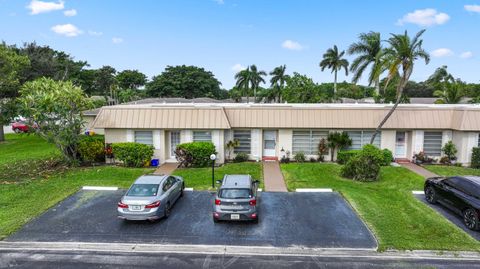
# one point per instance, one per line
(188, 189)
(418, 192)
(99, 188)
(314, 190)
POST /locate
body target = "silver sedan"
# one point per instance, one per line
(151, 197)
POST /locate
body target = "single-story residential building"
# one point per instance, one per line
(268, 131)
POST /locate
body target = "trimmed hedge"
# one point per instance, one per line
(300, 157)
(195, 154)
(365, 165)
(475, 158)
(132, 154)
(344, 156)
(92, 148)
(387, 157)
(241, 157)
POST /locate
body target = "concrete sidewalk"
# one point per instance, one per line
(273, 177)
(166, 169)
(418, 170)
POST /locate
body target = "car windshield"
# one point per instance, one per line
(143, 190)
(235, 193)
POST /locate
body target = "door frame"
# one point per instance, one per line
(405, 139)
(170, 132)
(273, 152)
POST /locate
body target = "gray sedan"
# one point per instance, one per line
(151, 197)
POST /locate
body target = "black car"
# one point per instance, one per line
(461, 194)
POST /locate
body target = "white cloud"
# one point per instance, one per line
(220, 2)
(238, 67)
(442, 52)
(117, 40)
(472, 8)
(70, 12)
(424, 17)
(37, 7)
(93, 33)
(292, 45)
(68, 30)
(466, 55)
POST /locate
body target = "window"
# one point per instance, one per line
(432, 143)
(202, 136)
(143, 190)
(144, 137)
(478, 143)
(307, 141)
(244, 137)
(361, 138)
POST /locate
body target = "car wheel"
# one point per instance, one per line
(216, 220)
(430, 195)
(181, 192)
(255, 221)
(16, 130)
(470, 218)
(167, 210)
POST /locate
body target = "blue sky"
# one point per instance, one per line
(223, 36)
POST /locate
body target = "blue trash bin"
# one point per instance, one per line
(154, 162)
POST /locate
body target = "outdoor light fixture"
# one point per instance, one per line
(213, 157)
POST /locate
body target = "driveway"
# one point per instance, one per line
(450, 215)
(322, 220)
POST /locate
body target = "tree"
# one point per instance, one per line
(302, 89)
(336, 141)
(243, 82)
(56, 108)
(11, 67)
(452, 92)
(332, 59)
(105, 82)
(256, 77)
(231, 145)
(401, 57)
(278, 80)
(184, 81)
(131, 79)
(369, 52)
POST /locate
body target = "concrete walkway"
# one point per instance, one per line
(273, 177)
(418, 170)
(166, 169)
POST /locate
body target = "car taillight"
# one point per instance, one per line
(122, 205)
(153, 205)
(217, 201)
(253, 202)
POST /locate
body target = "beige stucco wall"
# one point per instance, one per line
(285, 141)
(465, 141)
(115, 135)
(387, 140)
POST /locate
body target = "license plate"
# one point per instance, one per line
(135, 207)
(234, 216)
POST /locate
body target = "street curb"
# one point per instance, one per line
(314, 190)
(238, 250)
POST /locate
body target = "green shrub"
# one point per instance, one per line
(92, 148)
(195, 154)
(450, 150)
(365, 165)
(241, 157)
(132, 154)
(387, 157)
(475, 163)
(300, 157)
(344, 156)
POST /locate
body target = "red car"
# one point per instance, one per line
(21, 127)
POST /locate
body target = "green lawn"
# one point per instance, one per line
(444, 170)
(201, 178)
(18, 147)
(19, 203)
(397, 218)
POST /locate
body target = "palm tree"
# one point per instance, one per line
(243, 82)
(452, 93)
(400, 57)
(370, 52)
(256, 77)
(278, 80)
(333, 60)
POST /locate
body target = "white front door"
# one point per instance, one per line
(400, 142)
(174, 141)
(269, 143)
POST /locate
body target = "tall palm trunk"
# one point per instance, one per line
(2, 135)
(335, 84)
(400, 88)
(377, 86)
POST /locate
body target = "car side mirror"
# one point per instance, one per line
(256, 181)
(219, 182)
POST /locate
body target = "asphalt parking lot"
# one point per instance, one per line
(323, 220)
(450, 215)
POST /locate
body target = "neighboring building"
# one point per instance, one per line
(265, 129)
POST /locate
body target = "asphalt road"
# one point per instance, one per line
(450, 215)
(76, 260)
(316, 220)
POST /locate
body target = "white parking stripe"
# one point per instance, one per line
(188, 189)
(418, 192)
(314, 190)
(98, 188)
